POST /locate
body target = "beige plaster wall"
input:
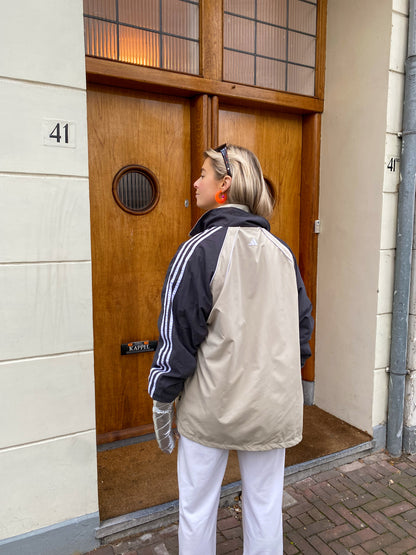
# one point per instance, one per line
(352, 170)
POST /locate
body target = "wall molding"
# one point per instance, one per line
(70, 536)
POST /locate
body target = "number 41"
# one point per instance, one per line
(56, 133)
(392, 164)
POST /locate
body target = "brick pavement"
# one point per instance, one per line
(367, 506)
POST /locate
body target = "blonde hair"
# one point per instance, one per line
(247, 183)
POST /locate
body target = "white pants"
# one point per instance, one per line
(200, 473)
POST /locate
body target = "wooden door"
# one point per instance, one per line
(276, 139)
(131, 252)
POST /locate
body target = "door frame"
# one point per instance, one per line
(204, 134)
(208, 91)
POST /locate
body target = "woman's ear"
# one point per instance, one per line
(226, 183)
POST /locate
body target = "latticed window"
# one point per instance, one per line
(271, 43)
(156, 33)
(266, 43)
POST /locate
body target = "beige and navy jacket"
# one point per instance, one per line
(234, 330)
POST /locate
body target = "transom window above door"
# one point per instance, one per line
(271, 43)
(263, 43)
(155, 33)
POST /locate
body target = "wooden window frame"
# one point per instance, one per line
(210, 79)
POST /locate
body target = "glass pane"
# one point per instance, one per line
(240, 7)
(302, 17)
(139, 47)
(238, 67)
(272, 11)
(271, 41)
(180, 18)
(301, 49)
(238, 33)
(301, 80)
(100, 38)
(180, 55)
(141, 13)
(271, 74)
(101, 8)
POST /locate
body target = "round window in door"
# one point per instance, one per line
(135, 189)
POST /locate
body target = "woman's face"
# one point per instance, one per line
(206, 186)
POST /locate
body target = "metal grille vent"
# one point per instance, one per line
(135, 189)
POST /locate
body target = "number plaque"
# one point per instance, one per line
(58, 133)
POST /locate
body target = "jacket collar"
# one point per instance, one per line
(230, 215)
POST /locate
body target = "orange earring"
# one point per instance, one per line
(220, 197)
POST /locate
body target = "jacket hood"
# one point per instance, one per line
(228, 217)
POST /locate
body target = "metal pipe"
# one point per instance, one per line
(404, 240)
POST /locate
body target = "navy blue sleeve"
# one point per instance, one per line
(305, 319)
(306, 322)
(186, 305)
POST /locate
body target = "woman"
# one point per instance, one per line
(234, 332)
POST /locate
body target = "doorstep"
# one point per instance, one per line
(167, 513)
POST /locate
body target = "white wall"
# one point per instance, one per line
(351, 199)
(47, 444)
(398, 50)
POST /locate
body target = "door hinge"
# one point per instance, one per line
(317, 226)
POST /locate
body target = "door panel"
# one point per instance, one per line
(276, 139)
(131, 253)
